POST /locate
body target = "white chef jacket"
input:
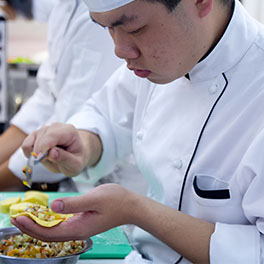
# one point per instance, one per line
(41, 9)
(81, 59)
(199, 142)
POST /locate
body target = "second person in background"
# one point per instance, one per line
(80, 60)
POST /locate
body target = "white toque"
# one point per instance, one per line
(105, 5)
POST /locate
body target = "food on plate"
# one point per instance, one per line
(24, 246)
(36, 197)
(5, 204)
(43, 216)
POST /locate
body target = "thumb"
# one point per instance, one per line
(76, 204)
(70, 164)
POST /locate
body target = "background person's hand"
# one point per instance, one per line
(99, 210)
(68, 150)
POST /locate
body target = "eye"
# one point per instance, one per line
(135, 31)
(110, 29)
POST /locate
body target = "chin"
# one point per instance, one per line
(161, 80)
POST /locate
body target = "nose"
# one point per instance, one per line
(124, 46)
(126, 52)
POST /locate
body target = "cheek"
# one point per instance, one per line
(164, 56)
(162, 49)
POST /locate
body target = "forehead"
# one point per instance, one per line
(129, 13)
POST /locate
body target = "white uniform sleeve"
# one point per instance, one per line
(244, 243)
(109, 113)
(228, 242)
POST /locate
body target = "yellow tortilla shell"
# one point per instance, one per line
(19, 208)
(36, 197)
(62, 217)
(7, 203)
(35, 193)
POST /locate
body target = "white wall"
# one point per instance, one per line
(255, 8)
(26, 39)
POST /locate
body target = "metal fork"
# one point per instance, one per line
(28, 169)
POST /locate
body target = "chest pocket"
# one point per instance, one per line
(207, 193)
(210, 191)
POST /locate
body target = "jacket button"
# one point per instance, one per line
(213, 89)
(177, 164)
(140, 135)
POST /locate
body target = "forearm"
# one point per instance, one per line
(10, 141)
(187, 235)
(92, 147)
(7, 178)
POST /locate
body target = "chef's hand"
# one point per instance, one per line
(111, 205)
(102, 208)
(70, 150)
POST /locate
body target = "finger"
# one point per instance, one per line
(44, 142)
(28, 144)
(28, 226)
(70, 164)
(62, 161)
(75, 204)
(52, 234)
(60, 135)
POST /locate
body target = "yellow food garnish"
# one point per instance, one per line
(5, 204)
(24, 169)
(26, 183)
(34, 154)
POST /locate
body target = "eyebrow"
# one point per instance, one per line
(122, 20)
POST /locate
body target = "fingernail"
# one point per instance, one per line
(54, 154)
(57, 206)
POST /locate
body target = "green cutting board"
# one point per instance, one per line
(111, 244)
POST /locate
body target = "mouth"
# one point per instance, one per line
(141, 73)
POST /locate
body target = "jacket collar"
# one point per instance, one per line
(238, 37)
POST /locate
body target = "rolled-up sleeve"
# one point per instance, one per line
(236, 244)
(244, 243)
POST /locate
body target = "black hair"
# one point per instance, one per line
(171, 4)
(23, 7)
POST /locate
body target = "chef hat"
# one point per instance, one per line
(105, 5)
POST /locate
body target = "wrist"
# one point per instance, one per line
(135, 208)
(92, 148)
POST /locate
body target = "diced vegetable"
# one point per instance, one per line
(24, 246)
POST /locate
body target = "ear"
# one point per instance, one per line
(204, 7)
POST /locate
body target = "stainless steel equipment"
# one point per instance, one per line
(70, 259)
(21, 83)
(17, 81)
(3, 73)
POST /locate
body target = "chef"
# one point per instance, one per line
(30, 9)
(80, 60)
(189, 105)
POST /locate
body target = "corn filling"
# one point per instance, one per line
(24, 246)
(43, 213)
